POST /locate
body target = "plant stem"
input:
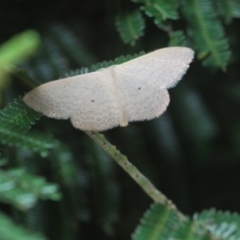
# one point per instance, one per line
(138, 177)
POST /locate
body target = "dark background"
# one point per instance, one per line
(191, 153)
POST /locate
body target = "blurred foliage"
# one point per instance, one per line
(9, 230)
(22, 190)
(19, 47)
(160, 222)
(191, 153)
(16, 49)
(130, 27)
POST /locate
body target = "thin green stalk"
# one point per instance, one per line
(138, 177)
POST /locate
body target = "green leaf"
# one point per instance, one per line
(19, 113)
(207, 32)
(160, 10)
(177, 38)
(221, 225)
(15, 135)
(130, 26)
(162, 223)
(157, 222)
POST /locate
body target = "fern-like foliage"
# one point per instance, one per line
(160, 223)
(11, 231)
(221, 225)
(116, 61)
(228, 9)
(22, 190)
(207, 32)
(104, 64)
(157, 222)
(160, 10)
(18, 113)
(183, 135)
(130, 26)
(15, 135)
(15, 120)
(177, 38)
